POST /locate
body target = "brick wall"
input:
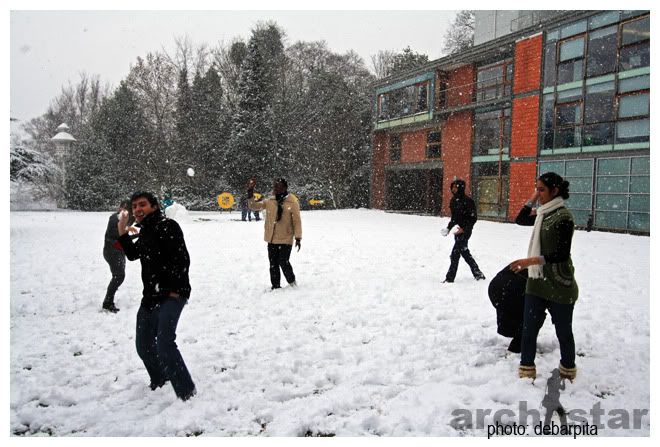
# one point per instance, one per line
(460, 83)
(524, 126)
(413, 146)
(522, 180)
(527, 64)
(456, 153)
(379, 159)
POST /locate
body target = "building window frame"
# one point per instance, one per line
(494, 87)
(434, 144)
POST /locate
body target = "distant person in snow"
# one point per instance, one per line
(165, 263)
(114, 256)
(551, 281)
(281, 225)
(463, 216)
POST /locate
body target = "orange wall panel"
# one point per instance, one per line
(456, 153)
(527, 64)
(413, 146)
(522, 180)
(525, 126)
(460, 84)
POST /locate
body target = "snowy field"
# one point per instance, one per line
(370, 344)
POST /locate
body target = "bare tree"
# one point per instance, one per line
(460, 35)
(382, 63)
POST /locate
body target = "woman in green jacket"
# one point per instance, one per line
(551, 282)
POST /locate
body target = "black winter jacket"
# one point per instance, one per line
(164, 257)
(463, 212)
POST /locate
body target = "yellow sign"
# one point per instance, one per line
(257, 196)
(225, 200)
(316, 202)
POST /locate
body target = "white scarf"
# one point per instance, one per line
(534, 250)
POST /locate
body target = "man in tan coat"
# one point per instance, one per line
(281, 225)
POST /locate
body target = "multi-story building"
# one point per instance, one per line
(562, 91)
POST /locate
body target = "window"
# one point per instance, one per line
(623, 193)
(568, 119)
(601, 55)
(598, 115)
(547, 121)
(632, 131)
(404, 101)
(550, 64)
(492, 131)
(433, 144)
(633, 105)
(571, 54)
(599, 103)
(491, 188)
(633, 110)
(395, 148)
(634, 51)
(494, 81)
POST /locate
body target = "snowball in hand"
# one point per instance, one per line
(191, 172)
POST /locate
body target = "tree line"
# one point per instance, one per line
(250, 108)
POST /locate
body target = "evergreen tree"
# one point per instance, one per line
(254, 149)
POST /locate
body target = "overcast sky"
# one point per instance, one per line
(50, 48)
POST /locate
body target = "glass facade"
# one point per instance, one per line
(492, 131)
(403, 102)
(596, 79)
(614, 191)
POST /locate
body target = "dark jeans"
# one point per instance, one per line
(461, 249)
(245, 212)
(278, 257)
(155, 336)
(562, 318)
(117, 262)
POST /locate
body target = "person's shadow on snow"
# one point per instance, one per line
(550, 401)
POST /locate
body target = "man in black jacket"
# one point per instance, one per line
(464, 216)
(165, 261)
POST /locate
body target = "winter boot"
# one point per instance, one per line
(479, 276)
(527, 372)
(567, 373)
(109, 305)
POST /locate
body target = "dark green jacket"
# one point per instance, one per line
(559, 283)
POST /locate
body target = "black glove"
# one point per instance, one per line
(298, 244)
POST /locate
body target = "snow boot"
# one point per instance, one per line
(479, 276)
(527, 372)
(110, 306)
(567, 373)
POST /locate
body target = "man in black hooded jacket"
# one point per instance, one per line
(162, 252)
(464, 216)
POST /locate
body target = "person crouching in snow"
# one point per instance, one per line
(464, 216)
(551, 281)
(281, 225)
(165, 262)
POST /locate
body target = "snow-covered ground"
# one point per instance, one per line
(371, 343)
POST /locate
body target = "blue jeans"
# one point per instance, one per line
(562, 318)
(155, 336)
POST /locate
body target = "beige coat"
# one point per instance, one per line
(287, 228)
